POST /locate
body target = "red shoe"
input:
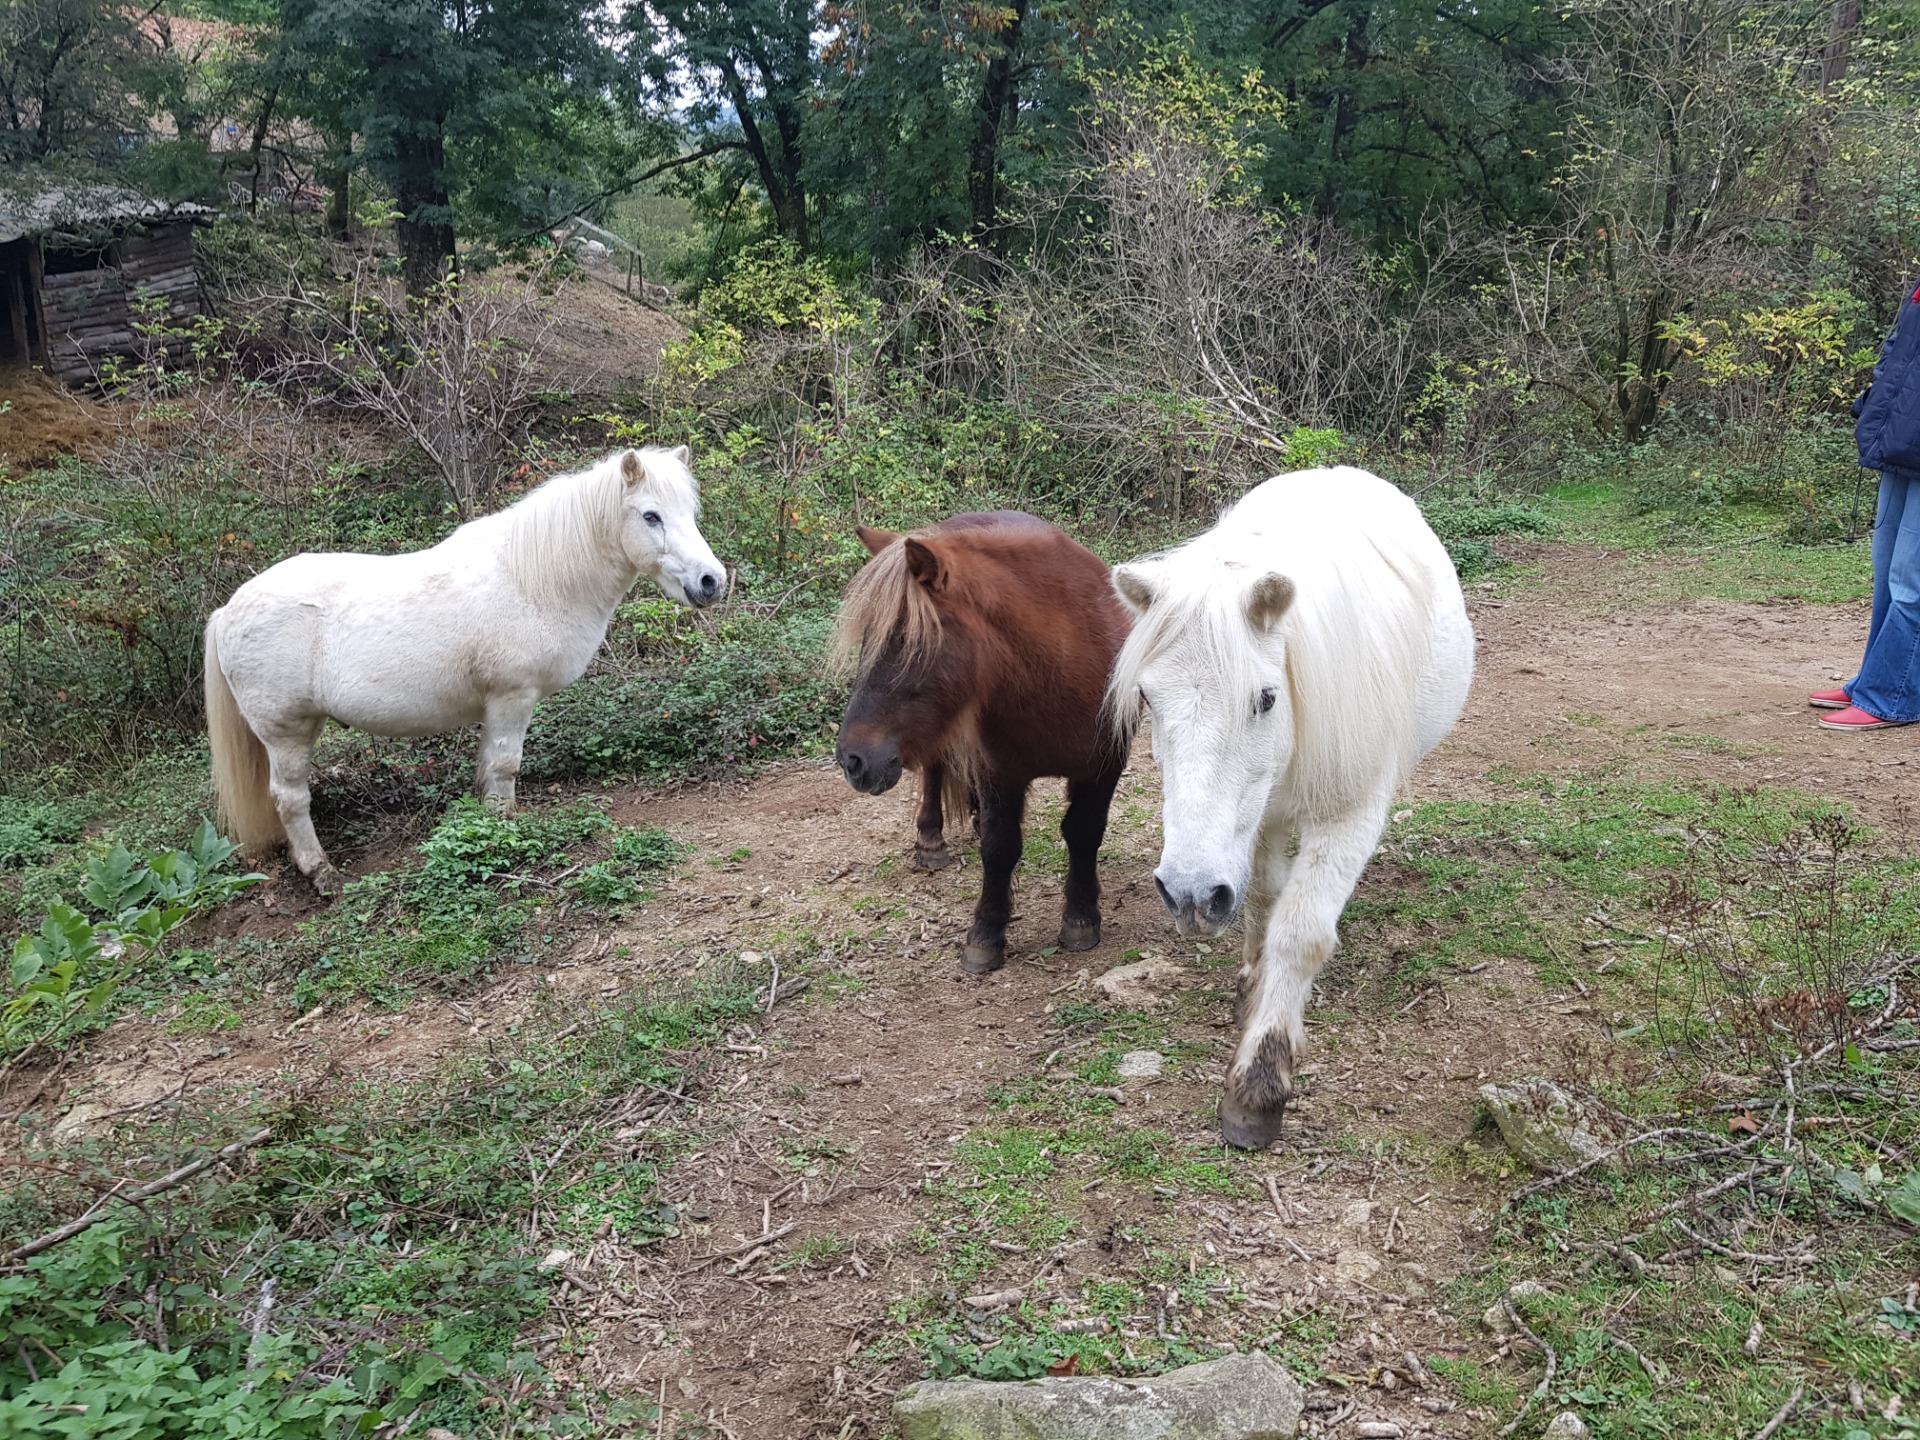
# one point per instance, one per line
(1829, 700)
(1854, 718)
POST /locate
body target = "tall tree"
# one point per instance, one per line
(754, 66)
(69, 74)
(463, 103)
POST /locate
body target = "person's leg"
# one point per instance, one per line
(1888, 685)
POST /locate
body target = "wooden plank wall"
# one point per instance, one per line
(88, 313)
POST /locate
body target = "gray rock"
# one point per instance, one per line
(1141, 985)
(1566, 1426)
(1238, 1397)
(1139, 1064)
(1549, 1128)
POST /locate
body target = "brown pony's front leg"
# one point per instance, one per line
(1083, 827)
(1001, 818)
(930, 844)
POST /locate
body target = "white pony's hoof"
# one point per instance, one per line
(1247, 1128)
(326, 881)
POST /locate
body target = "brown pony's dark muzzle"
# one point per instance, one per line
(871, 769)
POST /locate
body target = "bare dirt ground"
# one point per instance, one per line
(836, 1121)
(602, 338)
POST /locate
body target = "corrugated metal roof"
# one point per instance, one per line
(40, 205)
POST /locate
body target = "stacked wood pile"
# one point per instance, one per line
(90, 313)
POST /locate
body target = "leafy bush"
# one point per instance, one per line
(735, 700)
(1468, 527)
(29, 830)
(63, 973)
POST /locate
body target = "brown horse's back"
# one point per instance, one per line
(1046, 624)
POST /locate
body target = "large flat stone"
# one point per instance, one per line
(1238, 1397)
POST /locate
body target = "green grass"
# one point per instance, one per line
(1516, 876)
(402, 1226)
(1736, 553)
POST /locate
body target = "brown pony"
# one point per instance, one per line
(981, 649)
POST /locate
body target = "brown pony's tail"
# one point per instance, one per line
(248, 815)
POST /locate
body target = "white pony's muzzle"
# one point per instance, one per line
(1200, 906)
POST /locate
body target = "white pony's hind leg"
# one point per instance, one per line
(289, 773)
(503, 736)
(1302, 929)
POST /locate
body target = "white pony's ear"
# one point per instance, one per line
(633, 468)
(1272, 596)
(684, 454)
(1131, 583)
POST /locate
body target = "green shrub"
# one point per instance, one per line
(62, 974)
(735, 701)
(1468, 527)
(30, 830)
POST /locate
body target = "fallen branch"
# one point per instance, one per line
(1780, 1416)
(1546, 1380)
(1563, 1176)
(764, 1239)
(165, 1183)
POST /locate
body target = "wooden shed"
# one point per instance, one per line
(73, 258)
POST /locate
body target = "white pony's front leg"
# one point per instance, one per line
(503, 735)
(1302, 929)
(1272, 865)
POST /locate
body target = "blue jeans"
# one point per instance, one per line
(1888, 685)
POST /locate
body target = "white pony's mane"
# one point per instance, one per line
(566, 530)
(1353, 635)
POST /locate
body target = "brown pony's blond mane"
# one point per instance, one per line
(883, 602)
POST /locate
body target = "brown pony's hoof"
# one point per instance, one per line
(930, 860)
(1079, 934)
(1247, 1128)
(327, 882)
(983, 959)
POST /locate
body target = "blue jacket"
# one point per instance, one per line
(1889, 413)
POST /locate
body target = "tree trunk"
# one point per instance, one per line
(425, 227)
(1843, 22)
(779, 174)
(336, 173)
(426, 249)
(259, 144)
(993, 114)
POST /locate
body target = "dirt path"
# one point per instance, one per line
(843, 1117)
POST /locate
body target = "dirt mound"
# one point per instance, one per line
(602, 339)
(40, 420)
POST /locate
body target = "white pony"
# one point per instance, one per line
(1298, 659)
(506, 610)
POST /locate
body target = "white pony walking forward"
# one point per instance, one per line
(1298, 659)
(506, 610)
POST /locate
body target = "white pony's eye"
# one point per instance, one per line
(1145, 704)
(652, 517)
(1265, 702)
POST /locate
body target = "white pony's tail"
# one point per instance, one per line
(248, 815)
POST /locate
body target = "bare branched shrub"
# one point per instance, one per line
(1695, 190)
(455, 373)
(1170, 331)
(1769, 953)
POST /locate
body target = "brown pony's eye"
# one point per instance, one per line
(1265, 702)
